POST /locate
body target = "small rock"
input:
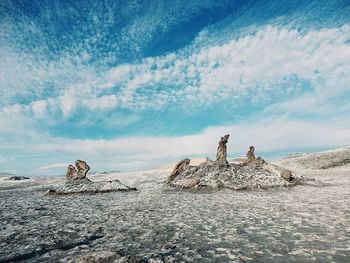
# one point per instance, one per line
(189, 183)
(287, 175)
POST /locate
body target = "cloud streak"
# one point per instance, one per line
(270, 136)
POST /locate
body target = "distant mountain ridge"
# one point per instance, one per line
(330, 159)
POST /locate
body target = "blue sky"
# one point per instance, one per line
(127, 85)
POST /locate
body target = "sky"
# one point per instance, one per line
(128, 85)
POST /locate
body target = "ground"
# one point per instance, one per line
(305, 223)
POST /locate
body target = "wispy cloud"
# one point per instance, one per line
(270, 135)
(53, 166)
(273, 63)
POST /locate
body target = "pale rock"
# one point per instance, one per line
(82, 167)
(250, 153)
(189, 183)
(71, 172)
(179, 168)
(287, 175)
(221, 154)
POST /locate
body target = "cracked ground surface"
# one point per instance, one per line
(306, 223)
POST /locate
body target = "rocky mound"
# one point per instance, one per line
(338, 158)
(78, 183)
(86, 186)
(251, 172)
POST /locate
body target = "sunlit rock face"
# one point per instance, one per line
(71, 172)
(252, 172)
(222, 150)
(179, 168)
(79, 172)
(82, 167)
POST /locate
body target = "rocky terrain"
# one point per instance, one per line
(247, 173)
(158, 223)
(78, 183)
(333, 159)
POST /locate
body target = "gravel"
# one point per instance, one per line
(305, 223)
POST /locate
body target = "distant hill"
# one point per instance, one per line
(332, 159)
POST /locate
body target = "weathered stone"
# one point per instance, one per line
(189, 183)
(85, 186)
(250, 153)
(287, 175)
(247, 173)
(179, 168)
(71, 172)
(222, 150)
(82, 167)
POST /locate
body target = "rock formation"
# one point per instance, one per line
(83, 168)
(189, 183)
(79, 172)
(71, 172)
(222, 150)
(250, 153)
(179, 168)
(77, 182)
(250, 172)
(85, 186)
(287, 175)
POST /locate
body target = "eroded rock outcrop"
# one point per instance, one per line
(221, 154)
(251, 172)
(287, 175)
(79, 172)
(71, 172)
(179, 168)
(250, 153)
(82, 168)
(77, 182)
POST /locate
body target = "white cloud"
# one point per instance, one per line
(258, 66)
(39, 107)
(107, 102)
(268, 135)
